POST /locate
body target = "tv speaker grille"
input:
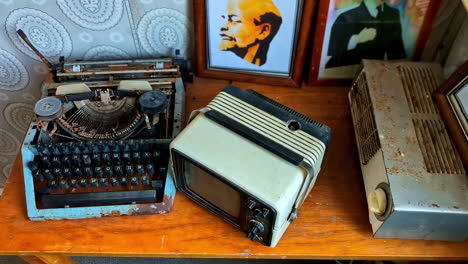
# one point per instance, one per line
(364, 121)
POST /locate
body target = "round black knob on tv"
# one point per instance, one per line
(255, 228)
(153, 102)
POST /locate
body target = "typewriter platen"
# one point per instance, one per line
(99, 143)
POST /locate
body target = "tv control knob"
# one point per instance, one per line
(251, 204)
(255, 228)
(377, 201)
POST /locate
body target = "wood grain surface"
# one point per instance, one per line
(332, 224)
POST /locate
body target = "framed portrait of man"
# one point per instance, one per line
(261, 41)
(351, 30)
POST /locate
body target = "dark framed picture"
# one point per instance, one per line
(452, 101)
(262, 41)
(348, 31)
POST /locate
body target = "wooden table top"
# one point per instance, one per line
(332, 224)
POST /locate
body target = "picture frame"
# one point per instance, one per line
(452, 101)
(213, 64)
(341, 67)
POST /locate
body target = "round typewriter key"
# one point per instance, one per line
(74, 183)
(58, 173)
(106, 157)
(88, 171)
(67, 172)
(56, 161)
(126, 157)
(103, 182)
(134, 181)
(38, 175)
(150, 169)
(99, 172)
(66, 161)
(86, 160)
(53, 184)
(45, 160)
(146, 156)
(118, 170)
(76, 159)
(114, 182)
(123, 181)
(140, 169)
(156, 155)
(94, 182)
(83, 183)
(47, 174)
(136, 157)
(96, 157)
(77, 172)
(129, 169)
(145, 180)
(63, 184)
(108, 170)
(116, 157)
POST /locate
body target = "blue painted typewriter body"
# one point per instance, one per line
(104, 150)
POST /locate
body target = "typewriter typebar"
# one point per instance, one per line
(99, 144)
(249, 160)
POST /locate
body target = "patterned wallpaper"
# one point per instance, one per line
(76, 29)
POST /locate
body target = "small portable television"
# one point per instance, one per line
(250, 161)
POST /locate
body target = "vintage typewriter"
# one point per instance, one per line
(99, 143)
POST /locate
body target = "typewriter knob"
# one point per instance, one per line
(153, 102)
(255, 228)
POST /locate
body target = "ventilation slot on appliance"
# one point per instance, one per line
(437, 148)
(419, 83)
(364, 120)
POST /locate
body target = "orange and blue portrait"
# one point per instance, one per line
(252, 35)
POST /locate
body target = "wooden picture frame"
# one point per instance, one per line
(319, 37)
(300, 51)
(455, 116)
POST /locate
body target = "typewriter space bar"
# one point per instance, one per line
(98, 198)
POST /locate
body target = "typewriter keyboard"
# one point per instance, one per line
(101, 172)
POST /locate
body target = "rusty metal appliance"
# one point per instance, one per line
(416, 185)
